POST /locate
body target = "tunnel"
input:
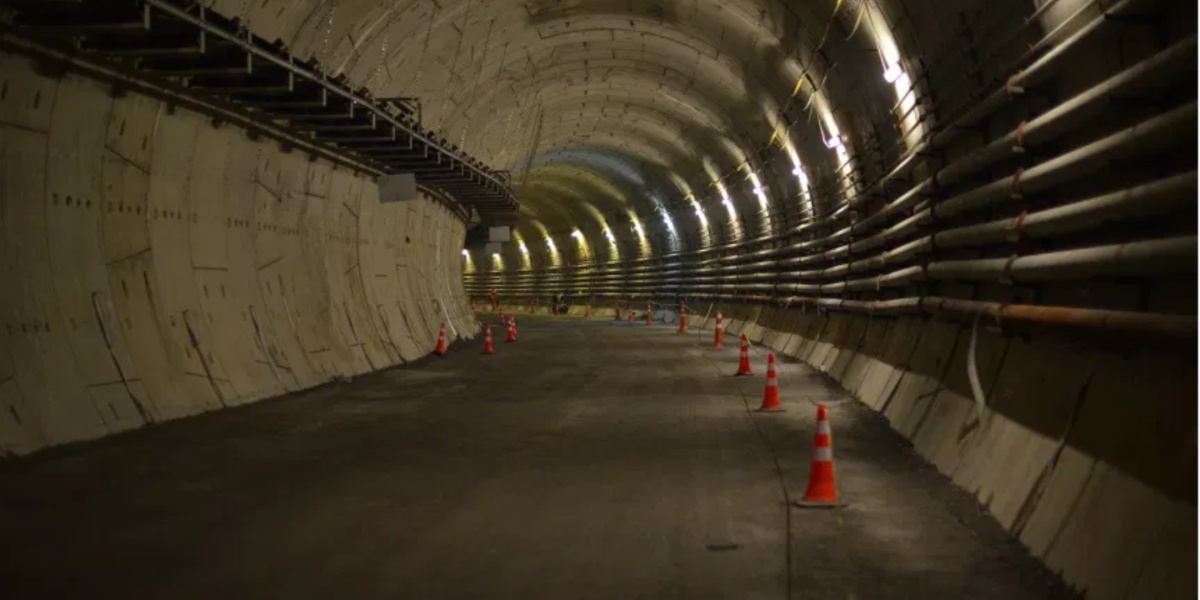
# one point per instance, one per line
(446, 298)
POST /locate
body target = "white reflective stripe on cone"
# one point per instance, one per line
(823, 427)
(824, 454)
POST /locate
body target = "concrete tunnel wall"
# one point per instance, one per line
(1078, 451)
(157, 266)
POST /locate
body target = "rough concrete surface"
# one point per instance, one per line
(156, 267)
(588, 460)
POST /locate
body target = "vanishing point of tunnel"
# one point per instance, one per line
(598, 299)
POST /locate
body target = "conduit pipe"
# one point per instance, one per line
(1153, 199)
(1156, 257)
(1175, 329)
(1150, 135)
(1161, 68)
(1041, 70)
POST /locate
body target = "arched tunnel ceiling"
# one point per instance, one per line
(604, 107)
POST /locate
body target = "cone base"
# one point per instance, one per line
(771, 409)
(741, 374)
(816, 504)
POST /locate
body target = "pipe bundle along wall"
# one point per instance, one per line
(736, 275)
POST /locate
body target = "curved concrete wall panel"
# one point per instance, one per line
(158, 266)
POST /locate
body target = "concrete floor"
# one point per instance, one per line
(589, 460)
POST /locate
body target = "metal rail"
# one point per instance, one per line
(214, 56)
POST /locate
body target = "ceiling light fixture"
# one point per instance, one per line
(892, 72)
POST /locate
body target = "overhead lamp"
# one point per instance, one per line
(465, 253)
(638, 228)
(892, 72)
(577, 234)
(833, 142)
(524, 250)
(797, 171)
(609, 234)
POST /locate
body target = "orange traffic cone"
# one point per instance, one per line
(487, 340)
(771, 401)
(441, 343)
(682, 318)
(587, 311)
(744, 361)
(512, 331)
(631, 315)
(649, 314)
(719, 336)
(822, 487)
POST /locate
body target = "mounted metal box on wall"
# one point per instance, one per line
(500, 234)
(400, 187)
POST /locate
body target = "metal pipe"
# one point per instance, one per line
(1155, 257)
(1169, 65)
(1175, 193)
(1156, 133)
(1171, 328)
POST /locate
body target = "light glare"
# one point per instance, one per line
(892, 73)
